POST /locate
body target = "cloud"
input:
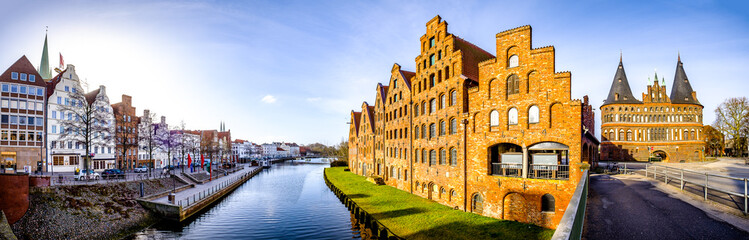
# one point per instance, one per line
(315, 99)
(269, 99)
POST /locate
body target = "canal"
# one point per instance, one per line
(287, 201)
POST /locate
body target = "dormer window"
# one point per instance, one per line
(32, 78)
(14, 75)
(686, 99)
(625, 98)
(620, 80)
(23, 77)
(513, 61)
(616, 97)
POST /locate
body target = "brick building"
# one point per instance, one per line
(499, 136)
(126, 133)
(659, 127)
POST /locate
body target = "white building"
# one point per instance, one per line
(152, 144)
(66, 155)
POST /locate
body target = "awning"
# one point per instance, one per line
(548, 146)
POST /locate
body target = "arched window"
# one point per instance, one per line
(442, 128)
(453, 97)
(432, 157)
(432, 106)
(533, 114)
(443, 101)
(432, 129)
(512, 116)
(423, 155)
(416, 132)
(513, 84)
(494, 118)
(416, 155)
(453, 126)
(477, 203)
(416, 110)
(423, 131)
(453, 194)
(417, 186)
(453, 157)
(547, 203)
(513, 61)
(442, 157)
(443, 193)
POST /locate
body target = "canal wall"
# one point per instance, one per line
(100, 211)
(373, 229)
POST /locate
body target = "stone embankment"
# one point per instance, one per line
(102, 211)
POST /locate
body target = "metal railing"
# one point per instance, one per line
(59, 180)
(547, 171)
(507, 169)
(732, 186)
(206, 193)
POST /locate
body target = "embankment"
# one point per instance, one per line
(102, 211)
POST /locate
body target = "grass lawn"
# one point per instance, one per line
(414, 217)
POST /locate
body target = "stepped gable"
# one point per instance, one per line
(620, 91)
(681, 90)
(472, 56)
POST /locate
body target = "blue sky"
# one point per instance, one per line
(293, 70)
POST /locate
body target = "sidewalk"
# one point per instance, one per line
(202, 187)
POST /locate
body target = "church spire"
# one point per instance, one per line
(620, 91)
(681, 91)
(44, 65)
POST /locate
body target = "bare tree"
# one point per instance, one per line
(86, 120)
(732, 119)
(168, 140)
(125, 138)
(147, 135)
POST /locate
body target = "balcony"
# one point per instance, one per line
(548, 171)
(507, 169)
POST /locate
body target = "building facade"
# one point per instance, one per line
(22, 126)
(126, 133)
(661, 127)
(498, 136)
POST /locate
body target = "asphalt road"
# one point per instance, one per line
(630, 209)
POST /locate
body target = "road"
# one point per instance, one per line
(620, 208)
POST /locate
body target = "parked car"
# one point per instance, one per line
(140, 169)
(112, 173)
(169, 167)
(81, 175)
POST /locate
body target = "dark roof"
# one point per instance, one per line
(370, 115)
(681, 91)
(620, 86)
(22, 65)
(356, 116)
(52, 83)
(407, 75)
(383, 92)
(472, 56)
(91, 96)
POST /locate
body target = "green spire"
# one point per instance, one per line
(44, 65)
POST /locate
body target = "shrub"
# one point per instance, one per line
(339, 163)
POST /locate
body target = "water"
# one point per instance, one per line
(287, 201)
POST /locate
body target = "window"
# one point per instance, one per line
(443, 157)
(513, 84)
(442, 128)
(431, 60)
(443, 102)
(453, 126)
(14, 75)
(512, 116)
(432, 157)
(431, 130)
(59, 100)
(477, 203)
(423, 131)
(494, 118)
(58, 160)
(40, 91)
(453, 157)
(5, 103)
(416, 110)
(14, 88)
(23, 90)
(533, 114)
(416, 132)
(432, 105)
(431, 42)
(547, 203)
(23, 77)
(6, 87)
(54, 128)
(513, 61)
(32, 78)
(453, 97)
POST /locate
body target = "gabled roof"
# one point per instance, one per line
(681, 91)
(91, 96)
(356, 116)
(370, 114)
(383, 92)
(472, 56)
(52, 83)
(620, 87)
(22, 65)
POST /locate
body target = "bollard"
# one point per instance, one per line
(141, 189)
(705, 187)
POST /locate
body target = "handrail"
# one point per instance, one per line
(571, 225)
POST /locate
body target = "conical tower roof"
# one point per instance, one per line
(620, 91)
(44, 65)
(681, 91)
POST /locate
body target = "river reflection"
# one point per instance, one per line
(287, 201)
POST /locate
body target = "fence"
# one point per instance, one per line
(507, 169)
(59, 180)
(197, 197)
(731, 186)
(545, 171)
(571, 225)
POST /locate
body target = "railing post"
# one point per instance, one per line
(746, 197)
(706, 186)
(682, 180)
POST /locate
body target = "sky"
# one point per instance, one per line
(293, 70)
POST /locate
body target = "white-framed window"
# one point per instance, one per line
(14, 104)
(6, 87)
(512, 116)
(54, 129)
(533, 114)
(494, 118)
(5, 103)
(14, 75)
(39, 106)
(432, 106)
(32, 78)
(23, 76)
(513, 61)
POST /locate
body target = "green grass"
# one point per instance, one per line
(414, 217)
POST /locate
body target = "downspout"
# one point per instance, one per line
(465, 165)
(410, 147)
